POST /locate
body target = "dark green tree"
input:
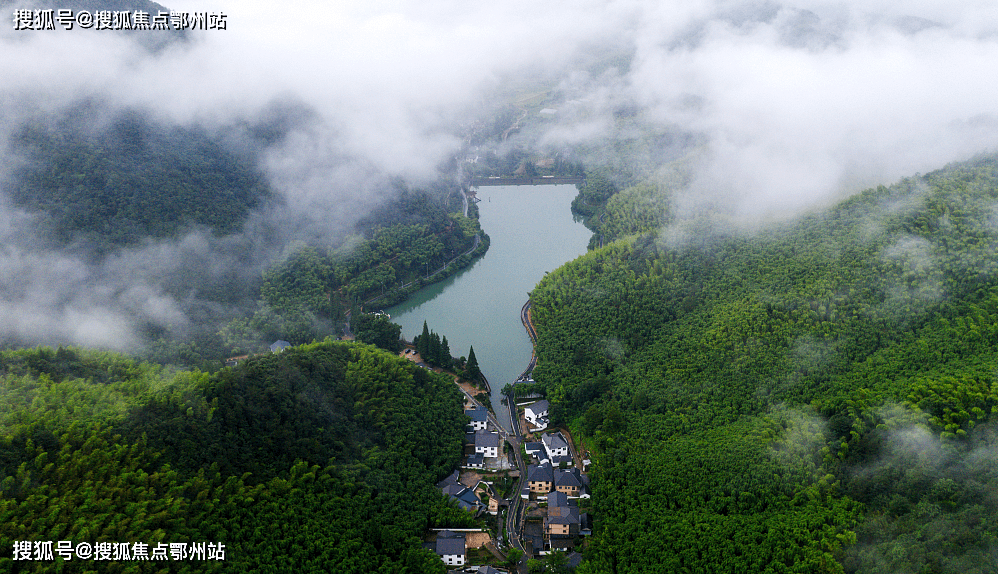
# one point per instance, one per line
(472, 371)
(446, 361)
(513, 556)
(380, 331)
(423, 342)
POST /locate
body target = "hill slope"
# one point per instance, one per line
(814, 398)
(321, 458)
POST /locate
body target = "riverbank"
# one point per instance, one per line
(529, 325)
(455, 265)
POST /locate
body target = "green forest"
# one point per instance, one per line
(322, 458)
(98, 179)
(412, 242)
(116, 184)
(819, 396)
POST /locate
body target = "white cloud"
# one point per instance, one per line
(797, 103)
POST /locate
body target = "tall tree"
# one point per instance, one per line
(423, 343)
(471, 370)
(446, 361)
(433, 349)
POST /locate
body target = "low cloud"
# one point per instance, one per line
(790, 107)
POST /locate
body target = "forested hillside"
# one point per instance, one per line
(815, 397)
(410, 242)
(320, 458)
(116, 182)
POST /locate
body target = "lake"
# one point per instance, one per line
(532, 232)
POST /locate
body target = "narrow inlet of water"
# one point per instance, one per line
(532, 232)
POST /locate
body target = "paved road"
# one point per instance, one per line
(484, 181)
(533, 339)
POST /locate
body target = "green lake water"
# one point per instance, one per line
(532, 231)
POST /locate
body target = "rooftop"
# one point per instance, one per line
(539, 407)
(486, 439)
(478, 414)
(450, 543)
(554, 441)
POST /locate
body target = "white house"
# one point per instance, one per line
(536, 414)
(555, 445)
(479, 417)
(450, 548)
(487, 443)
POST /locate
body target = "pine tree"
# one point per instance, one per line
(472, 371)
(433, 349)
(445, 359)
(423, 344)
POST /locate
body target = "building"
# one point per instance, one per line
(566, 460)
(479, 417)
(536, 449)
(540, 478)
(536, 414)
(476, 460)
(233, 361)
(555, 445)
(562, 521)
(465, 497)
(568, 482)
(450, 548)
(487, 443)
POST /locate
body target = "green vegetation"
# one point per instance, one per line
(472, 371)
(432, 349)
(320, 458)
(377, 329)
(411, 242)
(554, 563)
(820, 397)
(131, 179)
(593, 194)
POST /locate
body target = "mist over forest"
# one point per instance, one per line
(775, 109)
(779, 349)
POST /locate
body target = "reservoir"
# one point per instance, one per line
(532, 232)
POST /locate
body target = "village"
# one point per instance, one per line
(544, 485)
(529, 489)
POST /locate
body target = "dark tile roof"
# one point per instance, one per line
(454, 489)
(540, 473)
(450, 543)
(564, 515)
(478, 414)
(568, 478)
(539, 406)
(470, 498)
(487, 439)
(451, 479)
(557, 499)
(554, 441)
